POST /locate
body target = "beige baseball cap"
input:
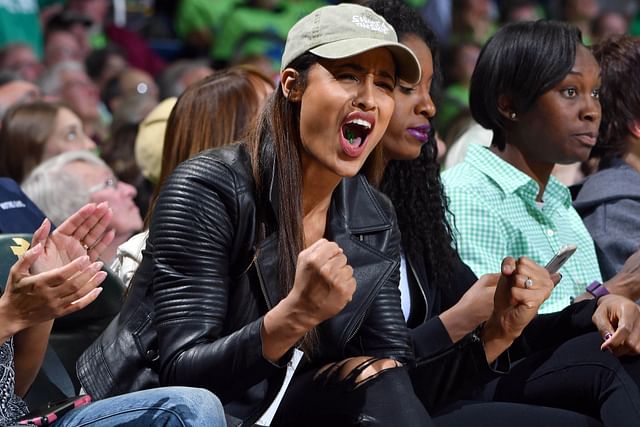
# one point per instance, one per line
(344, 30)
(150, 140)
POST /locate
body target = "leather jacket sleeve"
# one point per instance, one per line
(384, 333)
(194, 239)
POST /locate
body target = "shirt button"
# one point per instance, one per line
(550, 232)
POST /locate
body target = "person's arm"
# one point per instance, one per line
(53, 279)
(474, 308)
(515, 303)
(196, 233)
(627, 282)
(323, 285)
(31, 301)
(550, 329)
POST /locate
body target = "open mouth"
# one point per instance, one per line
(356, 131)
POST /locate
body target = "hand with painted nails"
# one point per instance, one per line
(618, 320)
(522, 288)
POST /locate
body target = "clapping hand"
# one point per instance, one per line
(83, 233)
(57, 276)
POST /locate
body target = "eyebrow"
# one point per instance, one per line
(579, 73)
(360, 69)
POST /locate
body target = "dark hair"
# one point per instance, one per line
(406, 21)
(414, 186)
(522, 60)
(212, 112)
(451, 60)
(280, 123)
(619, 60)
(98, 59)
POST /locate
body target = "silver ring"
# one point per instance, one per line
(528, 283)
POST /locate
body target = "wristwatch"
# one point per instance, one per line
(597, 289)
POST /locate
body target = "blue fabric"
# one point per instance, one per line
(18, 214)
(167, 406)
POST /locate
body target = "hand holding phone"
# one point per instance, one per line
(562, 256)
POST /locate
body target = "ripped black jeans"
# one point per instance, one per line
(335, 397)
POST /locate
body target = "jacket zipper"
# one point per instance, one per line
(263, 287)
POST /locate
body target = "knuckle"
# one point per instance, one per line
(58, 277)
(325, 270)
(348, 270)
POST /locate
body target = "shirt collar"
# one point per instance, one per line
(512, 180)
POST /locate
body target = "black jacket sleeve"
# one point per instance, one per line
(384, 332)
(192, 239)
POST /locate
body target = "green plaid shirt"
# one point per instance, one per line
(495, 214)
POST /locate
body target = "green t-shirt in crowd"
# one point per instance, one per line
(197, 15)
(250, 31)
(19, 22)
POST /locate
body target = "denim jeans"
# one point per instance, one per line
(166, 406)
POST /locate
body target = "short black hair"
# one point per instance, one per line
(523, 60)
(406, 21)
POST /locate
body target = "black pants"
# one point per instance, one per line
(389, 400)
(386, 400)
(506, 414)
(576, 376)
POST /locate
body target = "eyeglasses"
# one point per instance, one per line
(109, 183)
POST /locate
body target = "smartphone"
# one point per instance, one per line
(560, 258)
(54, 410)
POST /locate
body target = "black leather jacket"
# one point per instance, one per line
(210, 290)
